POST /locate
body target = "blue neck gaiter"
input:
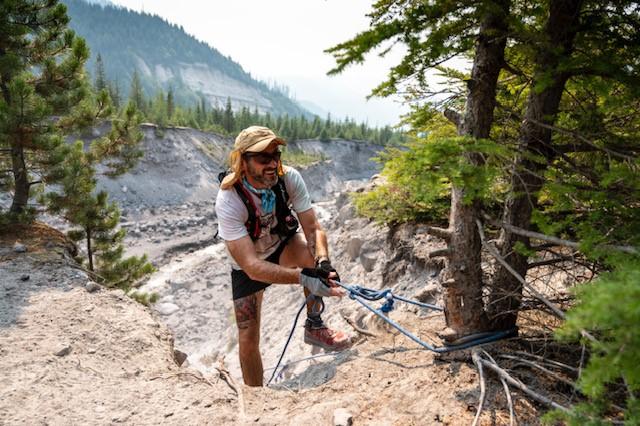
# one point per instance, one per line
(267, 196)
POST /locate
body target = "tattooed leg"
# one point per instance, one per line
(247, 310)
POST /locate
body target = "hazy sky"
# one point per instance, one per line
(283, 40)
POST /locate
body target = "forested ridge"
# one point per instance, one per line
(126, 39)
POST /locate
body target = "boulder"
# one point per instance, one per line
(353, 247)
(19, 247)
(167, 308)
(92, 286)
(368, 261)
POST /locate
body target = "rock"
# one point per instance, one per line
(368, 261)
(24, 277)
(92, 286)
(19, 247)
(167, 308)
(124, 189)
(167, 299)
(342, 417)
(179, 357)
(63, 350)
(353, 247)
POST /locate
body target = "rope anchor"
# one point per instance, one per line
(360, 294)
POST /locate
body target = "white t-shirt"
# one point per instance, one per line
(232, 214)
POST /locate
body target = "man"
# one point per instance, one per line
(260, 234)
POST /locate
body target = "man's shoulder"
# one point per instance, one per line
(291, 174)
(228, 198)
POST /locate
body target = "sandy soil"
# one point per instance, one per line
(71, 356)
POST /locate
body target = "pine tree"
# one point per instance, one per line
(171, 107)
(100, 83)
(159, 109)
(228, 120)
(136, 93)
(114, 94)
(41, 75)
(97, 219)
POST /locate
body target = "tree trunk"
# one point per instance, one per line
(464, 308)
(526, 180)
(21, 178)
(89, 250)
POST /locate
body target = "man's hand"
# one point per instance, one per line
(325, 265)
(320, 282)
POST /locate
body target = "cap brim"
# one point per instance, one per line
(263, 144)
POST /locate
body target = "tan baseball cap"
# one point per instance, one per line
(256, 139)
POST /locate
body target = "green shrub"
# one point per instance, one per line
(610, 309)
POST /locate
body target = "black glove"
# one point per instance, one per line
(316, 281)
(325, 265)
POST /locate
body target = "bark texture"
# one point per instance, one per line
(526, 177)
(464, 307)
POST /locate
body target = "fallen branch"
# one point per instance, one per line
(355, 326)
(539, 367)
(226, 377)
(507, 392)
(548, 361)
(477, 361)
(518, 384)
(443, 233)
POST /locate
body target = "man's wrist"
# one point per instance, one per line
(322, 259)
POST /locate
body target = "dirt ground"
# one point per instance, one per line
(74, 356)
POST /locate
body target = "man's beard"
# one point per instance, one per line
(263, 179)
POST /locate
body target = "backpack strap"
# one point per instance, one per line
(252, 224)
(287, 224)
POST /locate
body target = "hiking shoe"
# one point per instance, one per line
(326, 338)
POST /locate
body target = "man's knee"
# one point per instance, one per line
(247, 312)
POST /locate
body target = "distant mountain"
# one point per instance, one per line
(100, 2)
(166, 56)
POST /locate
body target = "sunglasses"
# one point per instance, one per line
(264, 158)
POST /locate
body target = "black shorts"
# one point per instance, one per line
(242, 285)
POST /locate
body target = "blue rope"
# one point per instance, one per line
(359, 293)
(318, 312)
(295, 322)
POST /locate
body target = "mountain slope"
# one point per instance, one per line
(165, 55)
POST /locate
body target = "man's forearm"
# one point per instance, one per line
(261, 270)
(321, 245)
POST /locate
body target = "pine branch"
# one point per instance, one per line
(560, 241)
(453, 116)
(513, 272)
